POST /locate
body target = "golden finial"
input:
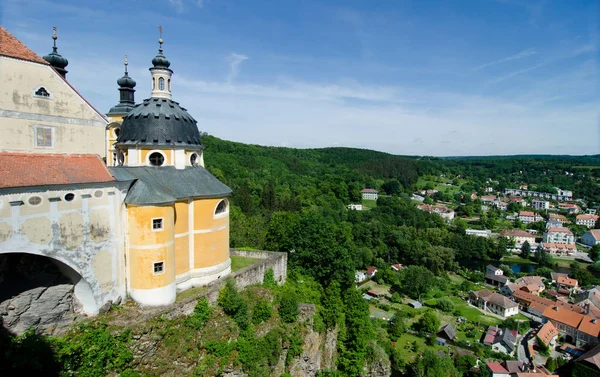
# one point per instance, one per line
(126, 63)
(54, 35)
(160, 40)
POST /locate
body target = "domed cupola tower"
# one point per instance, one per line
(161, 73)
(56, 60)
(177, 212)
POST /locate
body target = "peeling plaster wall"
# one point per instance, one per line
(87, 234)
(78, 128)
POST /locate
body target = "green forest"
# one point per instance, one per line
(294, 201)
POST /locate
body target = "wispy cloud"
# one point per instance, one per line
(234, 65)
(520, 55)
(179, 5)
(588, 48)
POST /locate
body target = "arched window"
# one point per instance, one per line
(153, 83)
(156, 159)
(117, 131)
(169, 84)
(161, 83)
(222, 208)
(42, 92)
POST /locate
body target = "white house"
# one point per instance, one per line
(559, 235)
(527, 217)
(540, 204)
(519, 236)
(355, 207)
(478, 233)
(369, 194)
(588, 220)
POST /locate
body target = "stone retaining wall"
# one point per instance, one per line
(253, 274)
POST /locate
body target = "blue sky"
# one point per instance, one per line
(407, 77)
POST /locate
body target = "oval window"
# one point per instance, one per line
(156, 159)
(98, 193)
(34, 200)
(69, 197)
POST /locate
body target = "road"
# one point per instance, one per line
(521, 353)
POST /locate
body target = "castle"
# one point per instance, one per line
(121, 203)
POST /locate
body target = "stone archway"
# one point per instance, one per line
(37, 291)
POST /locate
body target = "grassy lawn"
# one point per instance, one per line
(237, 263)
(409, 344)
(470, 313)
(380, 289)
(517, 259)
(566, 262)
(456, 279)
(369, 203)
(379, 313)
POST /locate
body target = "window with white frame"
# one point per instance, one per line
(161, 83)
(222, 208)
(41, 92)
(44, 137)
(157, 224)
(158, 268)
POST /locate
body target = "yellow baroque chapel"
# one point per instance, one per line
(177, 212)
(149, 222)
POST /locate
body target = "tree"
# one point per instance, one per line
(526, 250)
(502, 247)
(594, 252)
(429, 322)
(396, 327)
(551, 364)
(416, 280)
(445, 305)
(391, 187)
(333, 306)
(432, 365)
(464, 362)
(288, 307)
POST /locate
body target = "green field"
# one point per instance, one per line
(237, 263)
(409, 345)
(470, 313)
(369, 203)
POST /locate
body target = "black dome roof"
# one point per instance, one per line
(126, 81)
(159, 122)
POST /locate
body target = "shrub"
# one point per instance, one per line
(544, 349)
(262, 312)
(269, 279)
(234, 305)
(445, 305)
(199, 316)
(288, 308)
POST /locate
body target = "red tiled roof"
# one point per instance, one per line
(496, 367)
(24, 169)
(595, 233)
(12, 47)
(547, 333)
(526, 213)
(560, 230)
(567, 281)
(369, 191)
(590, 326)
(371, 270)
(563, 315)
(587, 217)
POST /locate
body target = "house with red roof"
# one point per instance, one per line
(369, 194)
(588, 221)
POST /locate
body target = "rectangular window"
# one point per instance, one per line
(44, 137)
(157, 224)
(159, 267)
